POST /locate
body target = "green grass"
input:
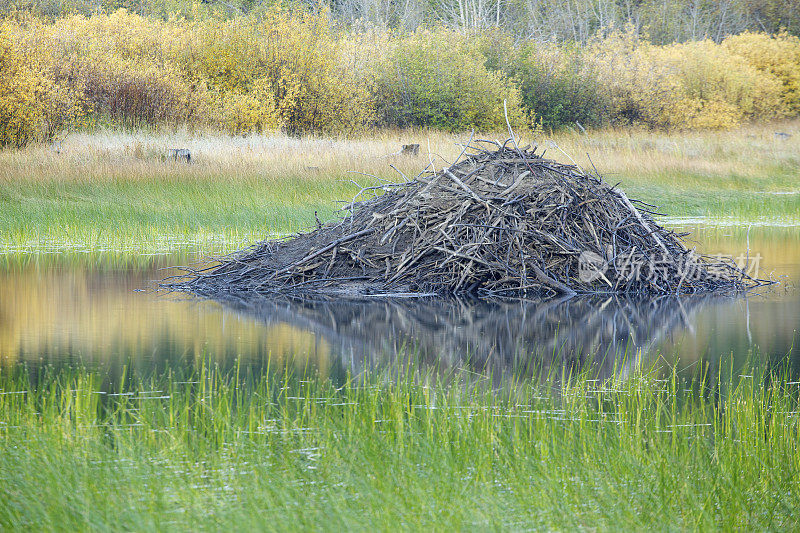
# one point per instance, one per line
(100, 193)
(402, 449)
(720, 197)
(161, 214)
(158, 215)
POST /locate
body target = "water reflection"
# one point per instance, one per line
(501, 337)
(104, 315)
(63, 309)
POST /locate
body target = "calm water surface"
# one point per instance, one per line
(102, 312)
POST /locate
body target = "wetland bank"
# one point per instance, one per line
(121, 408)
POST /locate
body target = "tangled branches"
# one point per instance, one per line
(502, 221)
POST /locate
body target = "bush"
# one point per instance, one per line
(720, 89)
(136, 95)
(119, 64)
(287, 69)
(251, 111)
(558, 85)
(778, 56)
(244, 74)
(438, 79)
(682, 86)
(288, 62)
(32, 107)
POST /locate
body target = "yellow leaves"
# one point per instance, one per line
(282, 70)
(777, 55)
(695, 85)
(243, 74)
(707, 114)
(32, 107)
(287, 68)
(254, 111)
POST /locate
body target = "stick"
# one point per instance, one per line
(321, 251)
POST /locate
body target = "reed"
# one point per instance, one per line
(111, 188)
(201, 447)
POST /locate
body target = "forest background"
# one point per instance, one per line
(351, 66)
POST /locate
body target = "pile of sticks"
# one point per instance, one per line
(500, 221)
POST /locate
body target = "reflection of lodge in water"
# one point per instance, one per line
(517, 336)
(98, 318)
(89, 311)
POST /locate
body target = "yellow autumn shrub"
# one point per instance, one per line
(314, 90)
(292, 55)
(32, 106)
(777, 55)
(697, 85)
(281, 70)
(290, 69)
(635, 90)
(719, 89)
(118, 62)
(244, 112)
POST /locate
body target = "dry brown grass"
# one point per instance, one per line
(135, 156)
(744, 152)
(636, 156)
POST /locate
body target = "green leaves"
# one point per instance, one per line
(438, 79)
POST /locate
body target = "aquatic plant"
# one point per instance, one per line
(198, 447)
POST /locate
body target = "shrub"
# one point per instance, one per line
(558, 85)
(251, 111)
(289, 69)
(313, 90)
(635, 90)
(136, 95)
(723, 87)
(683, 86)
(438, 79)
(776, 55)
(32, 107)
(291, 55)
(118, 63)
(245, 74)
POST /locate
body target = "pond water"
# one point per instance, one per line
(102, 312)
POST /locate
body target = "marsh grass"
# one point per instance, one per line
(397, 449)
(112, 189)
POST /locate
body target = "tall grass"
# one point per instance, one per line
(744, 158)
(400, 449)
(112, 189)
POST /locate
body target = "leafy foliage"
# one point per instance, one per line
(778, 56)
(33, 107)
(438, 79)
(291, 69)
(247, 74)
(558, 84)
(681, 86)
(287, 63)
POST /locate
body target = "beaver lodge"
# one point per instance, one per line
(501, 221)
